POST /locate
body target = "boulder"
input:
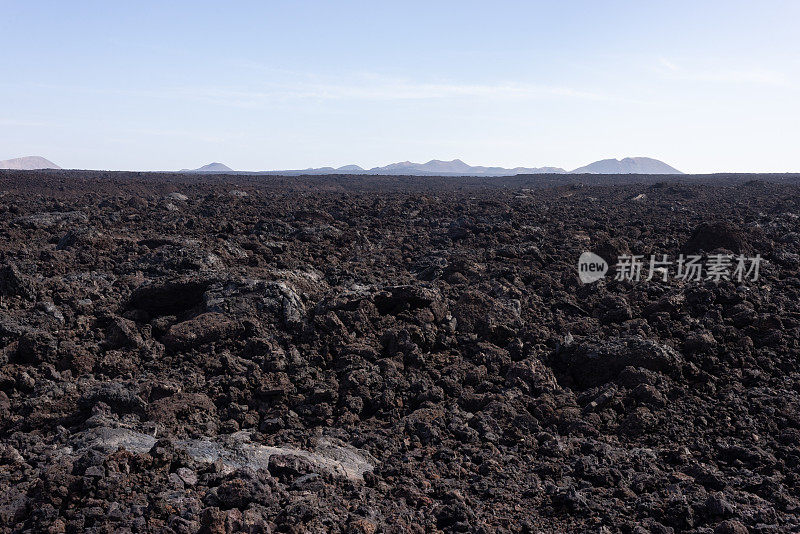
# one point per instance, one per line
(594, 362)
(36, 347)
(709, 236)
(165, 297)
(123, 333)
(15, 284)
(204, 328)
(494, 319)
(120, 397)
(76, 237)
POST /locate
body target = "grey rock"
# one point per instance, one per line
(15, 284)
(236, 451)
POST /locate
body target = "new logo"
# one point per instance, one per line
(591, 267)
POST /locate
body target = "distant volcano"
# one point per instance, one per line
(28, 163)
(211, 167)
(627, 166)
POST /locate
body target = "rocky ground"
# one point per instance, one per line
(184, 354)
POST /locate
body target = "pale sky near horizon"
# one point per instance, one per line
(707, 86)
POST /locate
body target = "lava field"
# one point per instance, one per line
(394, 354)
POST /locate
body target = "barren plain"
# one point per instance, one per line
(394, 354)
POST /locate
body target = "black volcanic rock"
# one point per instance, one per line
(393, 354)
(596, 362)
(164, 297)
(710, 236)
(14, 283)
(611, 249)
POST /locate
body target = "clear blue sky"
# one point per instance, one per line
(705, 86)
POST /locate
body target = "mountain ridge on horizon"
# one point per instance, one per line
(456, 167)
(434, 167)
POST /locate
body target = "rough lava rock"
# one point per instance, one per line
(382, 354)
